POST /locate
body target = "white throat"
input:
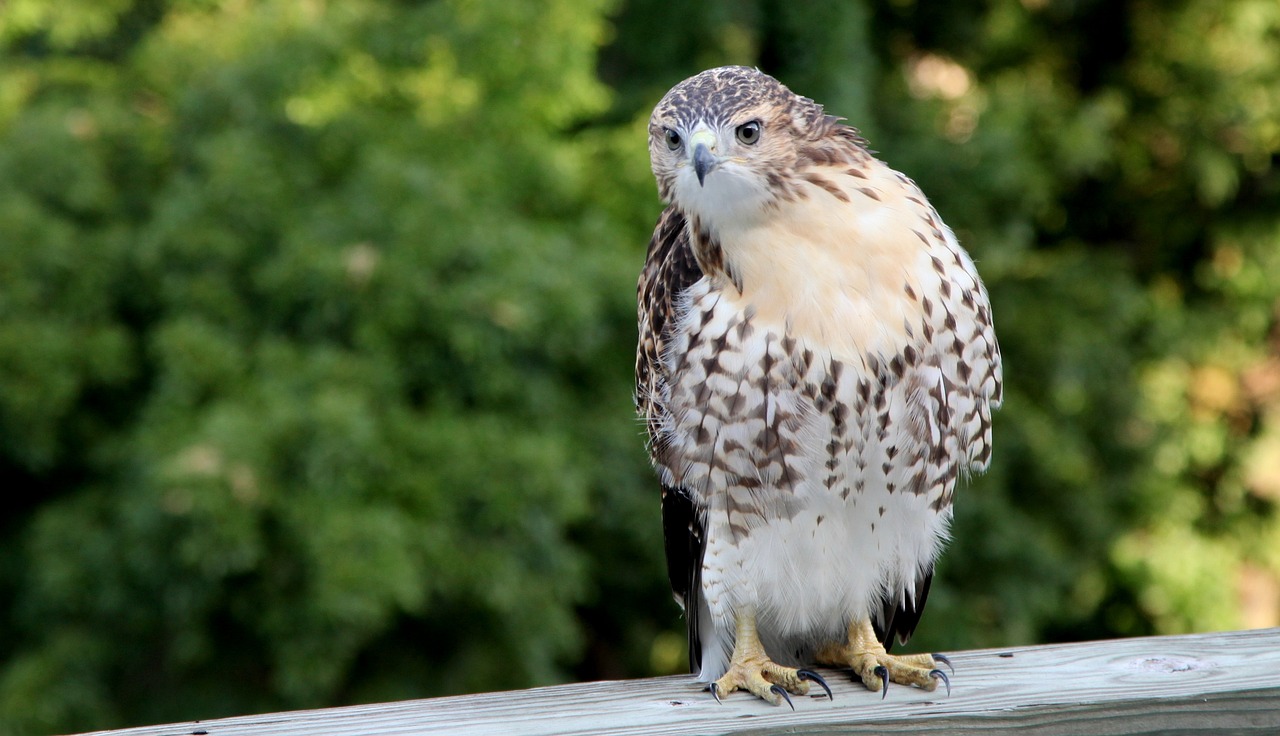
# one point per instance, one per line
(730, 198)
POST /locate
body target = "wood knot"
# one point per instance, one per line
(1170, 664)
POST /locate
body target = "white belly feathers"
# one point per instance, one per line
(809, 466)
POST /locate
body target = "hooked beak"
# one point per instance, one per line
(704, 161)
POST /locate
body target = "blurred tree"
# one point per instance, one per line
(316, 324)
(314, 355)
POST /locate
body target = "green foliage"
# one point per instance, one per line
(317, 322)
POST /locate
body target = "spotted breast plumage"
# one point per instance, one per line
(817, 369)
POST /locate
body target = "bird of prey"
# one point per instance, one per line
(816, 368)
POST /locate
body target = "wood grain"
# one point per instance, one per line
(1219, 683)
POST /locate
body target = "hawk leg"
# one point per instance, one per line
(751, 669)
(876, 667)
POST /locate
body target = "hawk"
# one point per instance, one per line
(817, 369)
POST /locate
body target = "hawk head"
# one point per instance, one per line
(725, 144)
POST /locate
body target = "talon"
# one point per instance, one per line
(715, 692)
(943, 659)
(780, 691)
(812, 676)
(940, 675)
(876, 668)
(751, 670)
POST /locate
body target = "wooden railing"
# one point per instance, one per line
(1205, 683)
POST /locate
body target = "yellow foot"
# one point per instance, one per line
(767, 680)
(751, 669)
(877, 668)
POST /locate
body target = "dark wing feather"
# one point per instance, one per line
(898, 619)
(669, 269)
(683, 526)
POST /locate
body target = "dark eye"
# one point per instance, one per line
(673, 139)
(749, 133)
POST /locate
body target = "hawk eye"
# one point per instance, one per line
(673, 139)
(749, 133)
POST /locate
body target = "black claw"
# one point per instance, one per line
(715, 692)
(812, 676)
(883, 674)
(943, 659)
(940, 675)
(778, 689)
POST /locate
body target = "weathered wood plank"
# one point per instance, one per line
(1219, 683)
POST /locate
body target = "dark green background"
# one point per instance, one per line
(317, 324)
